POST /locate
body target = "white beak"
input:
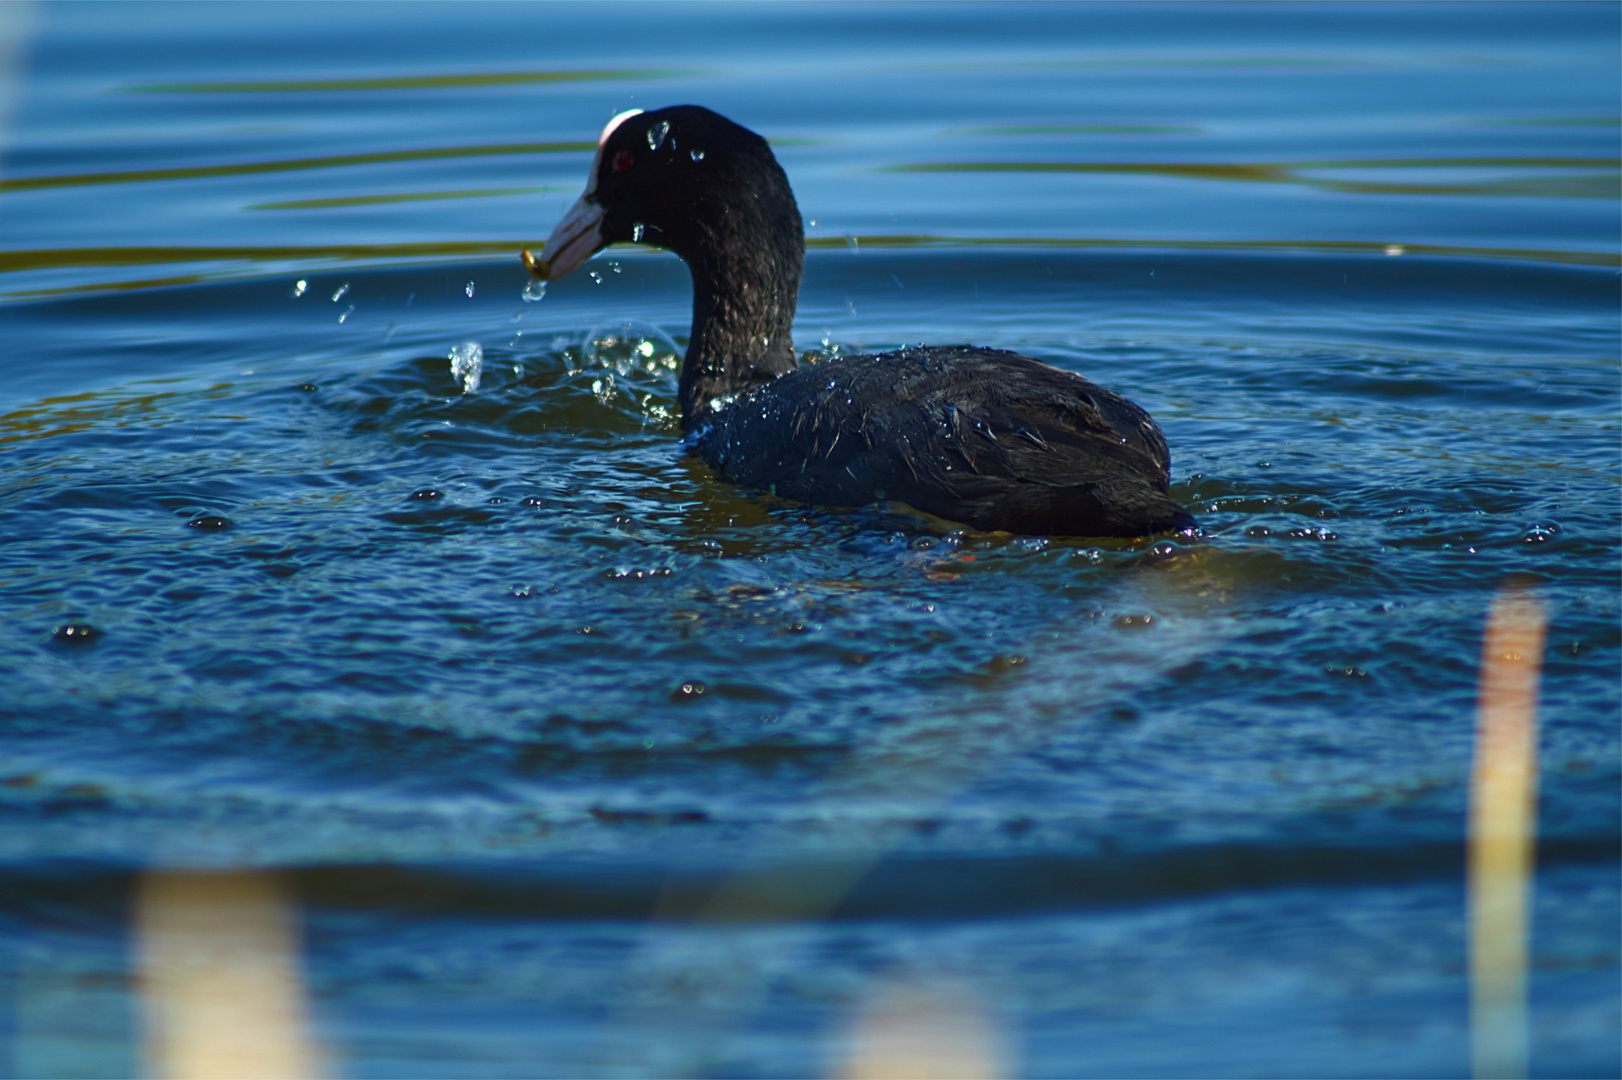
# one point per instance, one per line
(576, 239)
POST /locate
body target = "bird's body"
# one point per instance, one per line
(989, 438)
(985, 437)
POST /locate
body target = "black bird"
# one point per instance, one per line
(981, 436)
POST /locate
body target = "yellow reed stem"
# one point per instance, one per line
(221, 991)
(1503, 825)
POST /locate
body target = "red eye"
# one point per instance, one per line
(622, 161)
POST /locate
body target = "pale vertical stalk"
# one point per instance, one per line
(938, 1032)
(1503, 823)
(221, 991)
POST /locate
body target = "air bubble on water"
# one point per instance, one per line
(298, 288)
(339, 295)
(636, 233)
(1539, 534)
(534, 291)
(697, 155)
(467, 365)
(657, 133)
(348, 311)
(468, 288)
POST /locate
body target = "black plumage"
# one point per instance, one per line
(986, 437)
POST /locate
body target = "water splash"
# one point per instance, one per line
(469, 290)
(467, 365)
(631, 346)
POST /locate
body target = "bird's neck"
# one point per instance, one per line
(743, 315)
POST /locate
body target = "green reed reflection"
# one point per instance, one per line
(1606, 184)
(413, 82)
(1084, 129)
(402, 197)
(245, 168)
(231, 260)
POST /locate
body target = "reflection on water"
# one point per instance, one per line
(1591, 184)
(249, 168)
(413, 82)
(235, 262)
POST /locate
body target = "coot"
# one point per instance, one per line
(985, 437)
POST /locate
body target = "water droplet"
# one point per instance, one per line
(636, 233)
(76, 634)
(348, 311)
(657, 133)
(687, 691)
(595, 276)
(468, 288)
(339, 295)
(614, 266)
(698, 155)
(852, 243)
(1394, 249)
(467, 365)
(298, 288)
(534, 291)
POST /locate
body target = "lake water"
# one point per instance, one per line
(582, 761)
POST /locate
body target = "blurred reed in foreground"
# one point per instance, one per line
(221, 988)
(1503, 825)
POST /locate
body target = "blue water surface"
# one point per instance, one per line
(580, 760)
